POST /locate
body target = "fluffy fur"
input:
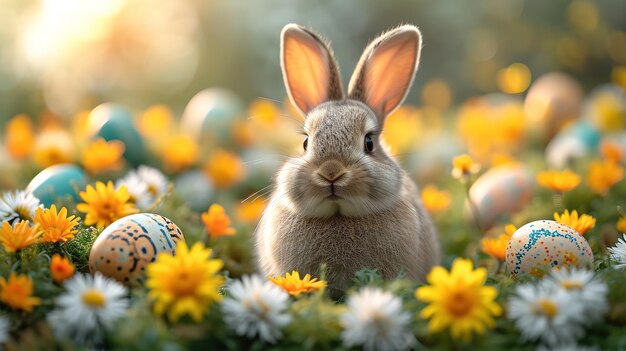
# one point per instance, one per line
(338, 204)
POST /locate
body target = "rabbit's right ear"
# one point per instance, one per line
(309, 69)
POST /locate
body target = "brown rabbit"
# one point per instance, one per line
(345, 202)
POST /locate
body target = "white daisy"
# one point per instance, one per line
(18, 205)
(618, 253)
(157, 182)
(585, 289)
(138, 190)
(547, 314)
(376, 321)
(256, 306)
(90, 305)
(5, 328)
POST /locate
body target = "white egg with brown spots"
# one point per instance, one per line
(128, 245)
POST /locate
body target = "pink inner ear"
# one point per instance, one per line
(307, 70)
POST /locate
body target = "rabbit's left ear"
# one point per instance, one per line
(385, 72)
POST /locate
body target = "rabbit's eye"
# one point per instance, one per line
(369, 143)
(305, 143)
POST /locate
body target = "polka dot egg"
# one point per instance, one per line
(125, 247)
(540, 246)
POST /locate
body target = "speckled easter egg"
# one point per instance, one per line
(209, 115)
(115, 122)
(500, 192)
(539, 246)
(56, 182)
(125, 247)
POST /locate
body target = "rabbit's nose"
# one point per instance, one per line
(331, 171)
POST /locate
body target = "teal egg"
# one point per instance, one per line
(211, 113)
(57, 181)
(195, 188)
(576, 141)
(115, 122)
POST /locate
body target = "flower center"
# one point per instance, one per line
(93, 298)
(460, 303)
(186, 284)
(546, 307)
(152, 189)
(571, 285)
(23, 213)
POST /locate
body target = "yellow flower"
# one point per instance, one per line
(224, 168)
(558, 181)
(56, 226)
(103, 156)
(608, 112)
(435, 200)
(180, 153)
(53, 146)
(401, 130)
(17, 292)
(19, 137)
(251, 211)
(603, 175)
(497, 247)
(621, 225)
(104, 205)
(463, 166)
(217, 222)
(264, 111)
(459, 300)
(185, 283)
(295, 286)
(61, 268)
(611, 151)
(156, 121)
(19, 236)
(580, 224)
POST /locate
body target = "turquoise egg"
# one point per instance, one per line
(211, 113)
(124, 249)
(195, 188)
(574, 142)
(115, 122)
(57, 181)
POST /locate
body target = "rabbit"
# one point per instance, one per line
(345, 203)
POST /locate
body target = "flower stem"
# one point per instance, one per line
(557, 201)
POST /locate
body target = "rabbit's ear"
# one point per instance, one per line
(309, 69)
(385, 72)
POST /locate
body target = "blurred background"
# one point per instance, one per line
(64, 56)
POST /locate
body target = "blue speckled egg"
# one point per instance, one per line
(500, 192)
(125, 247)
(542, 245)
(210, 114)
(56, 182)
(115, 122)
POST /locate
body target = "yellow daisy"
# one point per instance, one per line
(435, 200)
(19, 236)
(180, 153)
(463, 166)
(558, 181)
(224, 168)
(602, 175)
(580, 224)
(17, 292)
(497, 247)
(292, 283)
(56, 226)
(103, 156)
(459, 300)
(186, 283)
(104, 205)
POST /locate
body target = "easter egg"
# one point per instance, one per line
(210, 114)
(57, 181)
(195, 188)
(542, 245)
(500, 192)
(115, 122)
(573, 142)
(605, 108)
(553, 100)
(260, 163)
(125, 247)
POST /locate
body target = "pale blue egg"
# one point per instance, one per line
(210, 115)
(56, 182)
(195, 188)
